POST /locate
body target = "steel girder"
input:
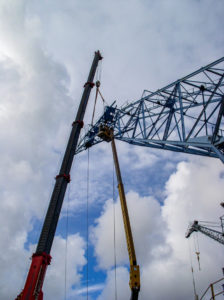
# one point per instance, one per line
(184, 116)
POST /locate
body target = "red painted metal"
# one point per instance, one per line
(67, 177)
(41, 259)
(35, 278)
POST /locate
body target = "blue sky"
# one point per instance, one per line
(46, 51)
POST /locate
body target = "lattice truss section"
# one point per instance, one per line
(185, 116)
(214, 234)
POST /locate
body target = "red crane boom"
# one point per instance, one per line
(41, 258)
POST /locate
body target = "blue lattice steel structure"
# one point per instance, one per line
(184, 116)
(213, 234)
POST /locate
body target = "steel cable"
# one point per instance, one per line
(66, 241)
(87, 231)
(115, 255)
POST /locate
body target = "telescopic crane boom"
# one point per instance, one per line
(41, 258)
(106, 134)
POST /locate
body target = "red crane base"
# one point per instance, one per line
(35, 278)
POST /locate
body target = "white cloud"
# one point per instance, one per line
(45, 53)
(146, 225)
(33, 92)
(54, 287)
(91, 289)
(122, 289)
(192, 192)
(15, 263)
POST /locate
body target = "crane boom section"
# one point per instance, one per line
(214, 234)
(184, 116)
(127, 225)
(106, 133)
(134, 268)
(41, 258)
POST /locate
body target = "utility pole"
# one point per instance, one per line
(41, 258)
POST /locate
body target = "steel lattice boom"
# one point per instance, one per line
(184, 116)
(214, 234)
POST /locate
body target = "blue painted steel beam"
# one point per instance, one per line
(185, 116)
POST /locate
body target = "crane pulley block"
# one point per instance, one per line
(105, 133)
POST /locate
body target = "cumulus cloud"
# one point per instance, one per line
(159, 233)
(15, 265)
(65, 264)
(146, 225)
(116, 287)
(45, 53)
(33, 93)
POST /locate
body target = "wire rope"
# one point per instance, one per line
(66, 241)
(98, 92)
(211, 226)
(209, 222)
(115, 254)
(197, 241)
(94, 107)
(197, 251)
(98, 79)
(192, 270)
(87, 230)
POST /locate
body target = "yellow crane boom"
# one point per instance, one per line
(106, 134)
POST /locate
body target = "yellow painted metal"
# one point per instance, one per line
(127, 226)
(212, 291)
(106, 134)
(134, 282)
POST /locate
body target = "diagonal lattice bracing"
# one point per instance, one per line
(185, 116)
